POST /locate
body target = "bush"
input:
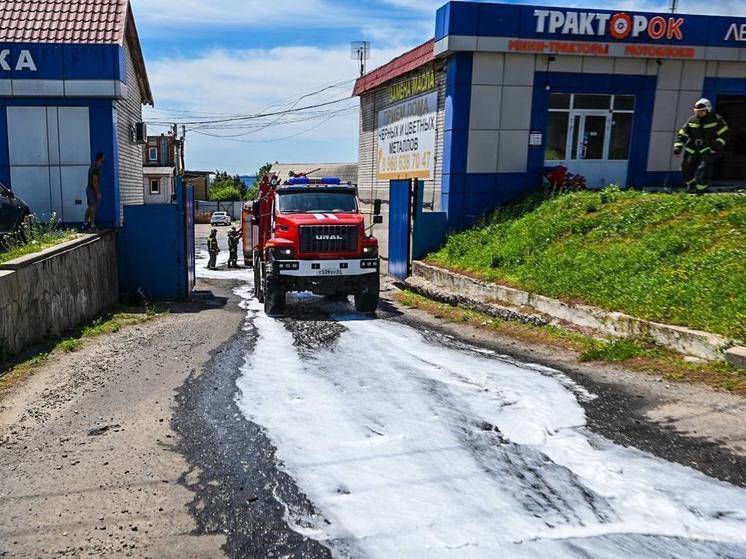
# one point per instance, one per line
(676, 258)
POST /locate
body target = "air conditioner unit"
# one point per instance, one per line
(140, 133)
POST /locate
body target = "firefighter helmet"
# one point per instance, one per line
(703, 104)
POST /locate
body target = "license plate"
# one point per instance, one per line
(330, 272)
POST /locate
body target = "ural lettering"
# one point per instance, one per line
(24, 61)
(619, 26)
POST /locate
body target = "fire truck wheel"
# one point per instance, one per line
(366, 298)
(274, 296)
(258, 282)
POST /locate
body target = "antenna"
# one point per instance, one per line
(360, 51)
(674, 5)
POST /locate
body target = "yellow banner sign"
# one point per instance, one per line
(413, 86)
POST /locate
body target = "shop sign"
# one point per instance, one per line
(24, 61)
(406, 139)
(413, 86)
(618, 26)
(736, 32)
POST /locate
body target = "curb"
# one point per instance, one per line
(696, 343)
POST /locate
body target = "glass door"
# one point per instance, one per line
(589, 145)
(590, 135)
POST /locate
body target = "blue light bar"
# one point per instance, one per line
(297, 180)
(305, 180)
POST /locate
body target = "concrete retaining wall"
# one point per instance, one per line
(53, 291)
(690, 342)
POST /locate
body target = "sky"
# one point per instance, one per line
(221, 58)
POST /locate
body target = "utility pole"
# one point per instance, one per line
(183, 147)
(674, 5)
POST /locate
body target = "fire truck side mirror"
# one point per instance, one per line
(376, 207)
(255, 211)
(377, 219)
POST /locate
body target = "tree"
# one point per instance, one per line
(263, 170)
(226, 188)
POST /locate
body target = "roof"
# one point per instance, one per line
(410, 60)
(79, 22)
(198, 173)
(347, 172)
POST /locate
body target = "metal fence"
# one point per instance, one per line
(233, 209)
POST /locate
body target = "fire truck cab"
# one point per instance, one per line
(309, 235)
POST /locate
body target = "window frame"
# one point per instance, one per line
(158, 182)
(610, 111)
(152, 150)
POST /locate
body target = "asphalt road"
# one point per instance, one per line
(327, 433)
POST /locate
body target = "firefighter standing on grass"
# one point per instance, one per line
(702, 139)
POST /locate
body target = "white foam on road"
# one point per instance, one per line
(222, 271)
(389, 436)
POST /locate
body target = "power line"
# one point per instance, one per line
(238, 116)
(254, 116)
(230, 139)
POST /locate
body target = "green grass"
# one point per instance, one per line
(35, 246)
(635, 355)
(71, 344)
(34, 236)
(615, 351)
(678, 259)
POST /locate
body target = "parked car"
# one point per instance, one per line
(220, 218)
(13, 211)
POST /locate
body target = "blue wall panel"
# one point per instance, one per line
(456, 135)
(723, 86)
(103, 139)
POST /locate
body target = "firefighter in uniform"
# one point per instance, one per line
(233, 238)
(212, 249)
(702, 139)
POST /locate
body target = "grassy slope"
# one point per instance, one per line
(678, 259)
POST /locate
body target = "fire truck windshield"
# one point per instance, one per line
(317, 202)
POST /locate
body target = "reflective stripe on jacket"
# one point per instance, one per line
(702, 135)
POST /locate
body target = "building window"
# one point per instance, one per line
(155, 186)
(152, 154)
(556, 136)
(590, 127)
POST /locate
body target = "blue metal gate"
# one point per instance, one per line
(186, 192)
(400, 220)
(156, 248)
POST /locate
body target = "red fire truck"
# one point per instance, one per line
(309, 235)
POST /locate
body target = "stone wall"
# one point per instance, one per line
(704, 345)
(53, 291)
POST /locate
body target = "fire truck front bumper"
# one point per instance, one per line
(325, 268)
(326, 277)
